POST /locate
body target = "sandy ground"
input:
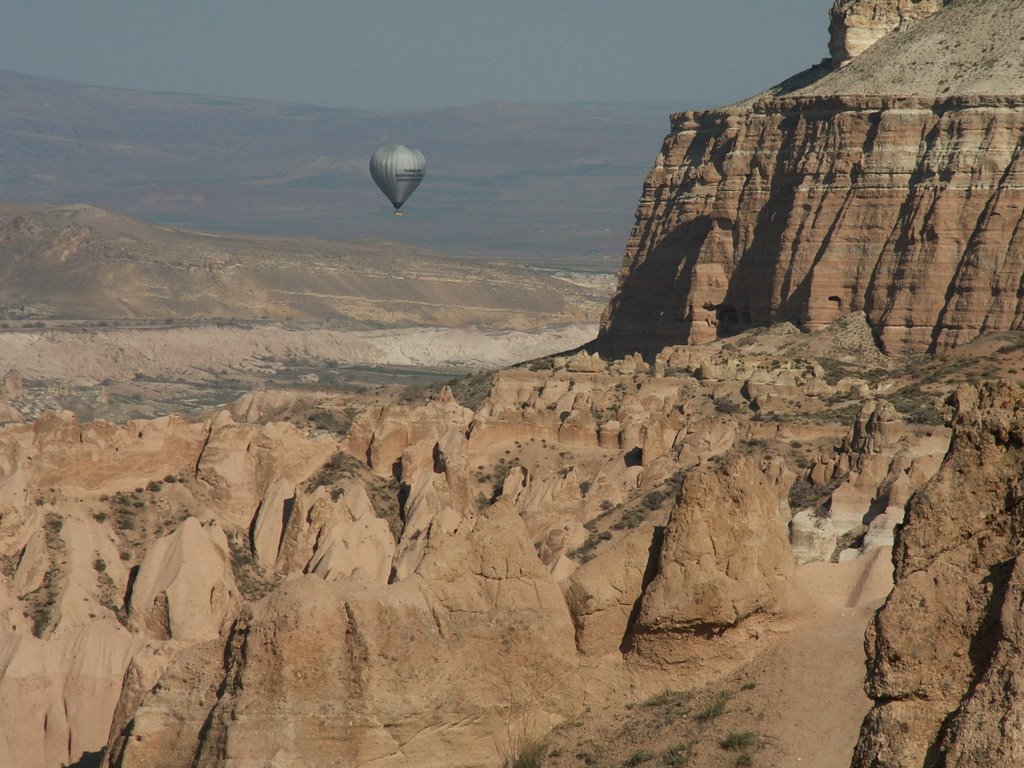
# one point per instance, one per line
(813, 681)
(800, 692)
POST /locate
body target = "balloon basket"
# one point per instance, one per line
(399, 213)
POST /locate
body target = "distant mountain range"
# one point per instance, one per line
(544, 184)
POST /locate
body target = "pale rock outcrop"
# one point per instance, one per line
(554, 547)
(579, 428)
(880, 464)
(609, 434)
(79, 503)
(548, 501)
(16, 515)
(336, 534)
(855, 25)
(631, 364)
(255, 407)
(584, 362)
(488, 566)
(713, 438)
(98, 450)
(168, 695)
(240, 463)
(93, 660)
(515, 483)
(725, 557)
(603, 594)
(271, 517)
(440, 499)
(65, 692)
(493, 425)
(813, 536)
(381, 435)
(145, 670)
(853, 502)
(185, 588)
(35, 733)
(11, 617)
(877, 427)
(33, 564)
(355, 544)
(59, 427)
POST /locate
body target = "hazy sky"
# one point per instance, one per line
(419, 54)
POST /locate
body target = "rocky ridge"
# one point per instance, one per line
(944, 649)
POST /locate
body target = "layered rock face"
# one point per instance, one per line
(851, 193)
(944, 653)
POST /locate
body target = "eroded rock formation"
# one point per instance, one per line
(856, 25)
(725, 557)
(442, 581)
(944, 652)
(213, 583)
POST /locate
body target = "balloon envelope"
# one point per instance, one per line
(397, 170)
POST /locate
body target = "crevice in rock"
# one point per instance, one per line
(650, 572)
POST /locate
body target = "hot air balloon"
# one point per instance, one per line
(397, 170)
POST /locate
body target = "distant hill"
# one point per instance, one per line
(84, 263)
(541, 183)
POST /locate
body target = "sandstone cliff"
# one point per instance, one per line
(891, 186)
(944, 652)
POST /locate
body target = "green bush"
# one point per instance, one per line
(738, 740)
(527, 753)
(638, 757)
(668, 705)
(677, 756)
(714, 708)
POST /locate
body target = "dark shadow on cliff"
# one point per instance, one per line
(969, 261)
(653, 307)
(748, 299)
(650, 308)
(653, 561)
(89, 760)
(982, 652)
